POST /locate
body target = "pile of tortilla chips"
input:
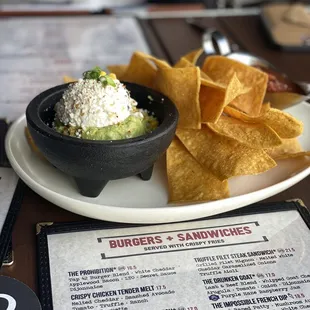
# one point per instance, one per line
(225, 129)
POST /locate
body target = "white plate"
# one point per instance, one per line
(132, 200)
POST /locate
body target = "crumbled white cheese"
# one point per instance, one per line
(87, 103)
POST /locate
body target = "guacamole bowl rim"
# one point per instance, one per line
(36, 122)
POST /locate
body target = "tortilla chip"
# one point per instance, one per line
(183, 63)
(254, 135)
(288, 146)
(233, 112)
(265, 108)
(188, 182)
(221, 69)
(213, 100)
(140, 71)
(223, 156)
(68, 79)
(118, 70)
(193, 56)
(189, 59)
(182, 86)
(204, 78)
(160, 63)
(285, 125)
(32, 144)
(294, 155)
(206, 81)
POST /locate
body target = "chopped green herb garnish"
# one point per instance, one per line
(93, 74)
(150, 97)
(97, 74)
(110, 81)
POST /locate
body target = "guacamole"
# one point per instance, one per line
(99, 107)
(132, 127)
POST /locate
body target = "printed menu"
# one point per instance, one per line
(10, 201)
(256, 261)
(8, 182)
(35, 53)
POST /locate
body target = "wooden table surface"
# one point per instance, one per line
(168, 38)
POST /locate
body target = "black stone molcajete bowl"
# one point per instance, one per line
(93, 163)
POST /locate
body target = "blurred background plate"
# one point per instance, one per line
(131, 200)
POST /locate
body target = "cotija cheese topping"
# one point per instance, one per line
(99, 107)
(87, 103)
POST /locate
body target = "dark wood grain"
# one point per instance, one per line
(249, 33)
(176, 37)
(3, 130)
(152, 39)
(300, 191)
(169, 38)
(35, 209)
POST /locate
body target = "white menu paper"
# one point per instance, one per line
(258, 261)
(35, 53)
(8, 182)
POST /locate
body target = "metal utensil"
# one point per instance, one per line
(207, 44)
